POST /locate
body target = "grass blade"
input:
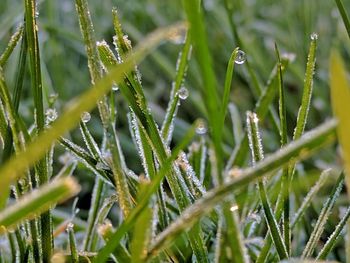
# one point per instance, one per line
(310, 142)
(333, 237)
(94, 62)
(209, 90)
(168, 123)
(72, 243)
(344, 15)
(38, 201)
(11, 45)
(41, 169)
(307, 90)
(257, 155)
(340, 95)
(286, 184)
(142, 231)
(322, 219)
(307, 200)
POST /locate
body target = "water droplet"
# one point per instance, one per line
(101, 166)
(115, 87)
(85, 117)
(201, 127)
(51, 114)
(65, 158)
(314, 36)
(183, 93)
(70, 226)
(240, 57)
(289, 56)
(233, 208)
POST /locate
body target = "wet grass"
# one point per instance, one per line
(153, 137)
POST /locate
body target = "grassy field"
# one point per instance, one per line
(174, 131)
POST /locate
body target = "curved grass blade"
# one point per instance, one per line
(11, 45)
(38, 201)
(299, 149)
(344, 15)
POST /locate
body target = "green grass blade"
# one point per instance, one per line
(11, 45)
(69, 119)
(96, 201)
(299, 149)
(234, 235)
(286, 184)
(94, 62)
(38, 201)
(334, 236)
(149, 165)
(261, 108)
(16, 96)
(256, 87)
(308, 198)
(130, 220)
(340, 95)
(142, 231)
(236, 123)
(88, 161)
(344, 15)
(322, 219)
(307, 90)
(114, 160)
(257, 155)
(90, 141)
(227, 86)
(72, 243)
(168, 123)
(209, 90)
(41, 169)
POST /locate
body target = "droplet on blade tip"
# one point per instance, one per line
(240, 57)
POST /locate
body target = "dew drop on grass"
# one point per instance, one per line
(314, 36)
(240, 57)
(101, 166)
(183, 93)
(115, 87)
(233, 208)
(201, 127)
(70, 226)
(51, 114)
(85, 117)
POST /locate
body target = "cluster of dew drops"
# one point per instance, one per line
(183, 93)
